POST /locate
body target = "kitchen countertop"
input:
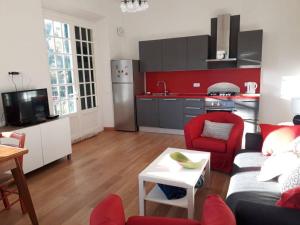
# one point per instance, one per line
(204, 96)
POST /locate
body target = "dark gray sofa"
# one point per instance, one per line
(253, 202)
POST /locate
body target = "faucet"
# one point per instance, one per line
(165, 86)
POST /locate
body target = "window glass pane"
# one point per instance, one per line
(86, 76)
(89, 102)
(64, 107)
(79, 61)
(70, 91)
(59, 45)
(67, 46)
(50, 45)
(80, 73)
(51, 61)
(55, 92)
(72, 106)
(83, 34)
(89, 35)
(62, 92)
(61, 77)
(78, 47)
(48, 28)
(77, 33)
(94, 101)
(88, 89)
(69, 77)
(91, 62)
(86, 61)
(92, 76)
(59, 62)
(90, 49)
(82, 103)
(82, 93)
(68, 62)
(93, 88)
(66, 30)
(84, 48)
(56, 108)
(53, 77)
(57, 29)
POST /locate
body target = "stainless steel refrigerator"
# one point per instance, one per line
(127, 82)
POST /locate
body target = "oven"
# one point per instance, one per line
(219, 105)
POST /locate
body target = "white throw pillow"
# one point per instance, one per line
(277, 164)
(290, 179)
(217, 130)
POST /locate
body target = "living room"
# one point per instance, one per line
(189, 62)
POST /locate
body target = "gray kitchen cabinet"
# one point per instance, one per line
(192, 107)
(197, 52)
(170, 113)
(250, 48)
(151, 55)
(147, 112)
(174, 54)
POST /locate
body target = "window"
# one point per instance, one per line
(60, 67)
(86, 72)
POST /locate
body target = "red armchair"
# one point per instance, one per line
(222, 152)
(110, 212)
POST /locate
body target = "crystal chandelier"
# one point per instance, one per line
(131, 6)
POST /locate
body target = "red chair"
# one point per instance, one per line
(110, 212)
(7, 180)
(222, 152)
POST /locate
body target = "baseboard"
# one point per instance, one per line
(109, 129)
(161, 130)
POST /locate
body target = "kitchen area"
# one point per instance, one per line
(177, 79)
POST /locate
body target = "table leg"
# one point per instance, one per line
(24, 192)
(208, 176)
(142, 193)
(191, 201)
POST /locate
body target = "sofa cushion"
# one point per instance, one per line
(210, 144)
(290, 199)
(217, 130)
(278, 138)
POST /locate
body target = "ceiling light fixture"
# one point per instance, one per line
(131, 6)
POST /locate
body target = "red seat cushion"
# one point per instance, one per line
(277, 138)
(290, 199)
(216, 212)
(209, 144)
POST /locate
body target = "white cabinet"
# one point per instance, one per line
(46, 143)
(56, 140)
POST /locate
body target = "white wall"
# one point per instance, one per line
(278, 18)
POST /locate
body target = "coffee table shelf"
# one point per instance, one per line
(156, 195)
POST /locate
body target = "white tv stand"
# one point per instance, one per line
(46, 142)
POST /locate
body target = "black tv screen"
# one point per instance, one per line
(25, 107)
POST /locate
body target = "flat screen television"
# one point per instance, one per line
(25, 107)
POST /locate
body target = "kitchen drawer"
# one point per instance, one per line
(194, 102)
(193, 110)
(187, 118)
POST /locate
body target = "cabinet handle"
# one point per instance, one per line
(190, 107)
(193, 99)
(189, 116)
(146, 99)
(170, 99)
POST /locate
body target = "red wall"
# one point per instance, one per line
(182, 82)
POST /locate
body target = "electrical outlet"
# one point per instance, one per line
(196, 85)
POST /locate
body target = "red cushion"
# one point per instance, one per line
(216, 212)
(277, 138)
(148, 220)
(209, 144)
(290, 199)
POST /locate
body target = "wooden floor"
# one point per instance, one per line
(66, 191)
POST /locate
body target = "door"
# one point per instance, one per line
(171, 113)
(150, 56)
(124, 108)
(147, 112)
(174, 54)
(197, 52)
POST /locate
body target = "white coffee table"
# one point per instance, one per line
(165, 170)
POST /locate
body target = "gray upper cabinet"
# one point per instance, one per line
(147, 112)
(151, 55)
(197, 52)
(174, 54)
(250, 48)
(170, 113)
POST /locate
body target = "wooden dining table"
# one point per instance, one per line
(9, 161)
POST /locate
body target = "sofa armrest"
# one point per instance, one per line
(149, 220)
(254, 142)
(250, 213)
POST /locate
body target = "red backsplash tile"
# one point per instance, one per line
(182, 81)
